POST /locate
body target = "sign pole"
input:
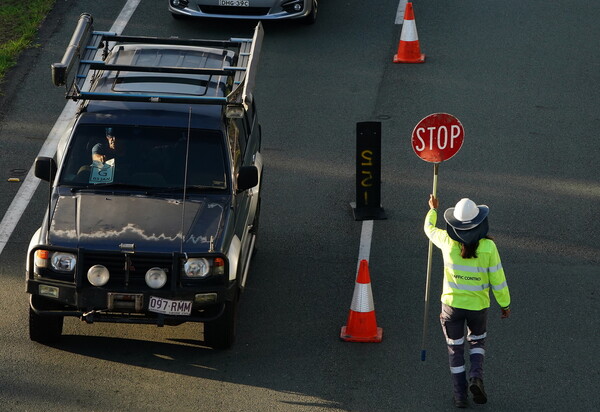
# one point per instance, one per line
(436, 138)
(436, 167)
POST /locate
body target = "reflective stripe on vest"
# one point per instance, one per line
(473, 269)
(471, 288)
(500, 286)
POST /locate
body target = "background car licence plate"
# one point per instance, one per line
(170, 307)
(234, 3)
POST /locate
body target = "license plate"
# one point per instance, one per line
(234, 3)
(170, 307)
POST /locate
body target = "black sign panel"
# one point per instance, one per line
(368, 172)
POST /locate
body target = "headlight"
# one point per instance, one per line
(63, 262)
(196, 268)
(200, 268)
(58, 261)
(156, 278)
(98, 275)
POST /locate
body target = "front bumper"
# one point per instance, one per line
(262, 11)
(94, 304)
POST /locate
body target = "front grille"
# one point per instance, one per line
(140, 263)
(240, 11)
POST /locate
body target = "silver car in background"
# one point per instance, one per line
(304, 10)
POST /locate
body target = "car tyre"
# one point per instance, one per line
(45, 329)
(311, 18)
(220, 333)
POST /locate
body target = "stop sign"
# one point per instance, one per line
(437, 137)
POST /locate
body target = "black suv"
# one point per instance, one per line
(155, 190)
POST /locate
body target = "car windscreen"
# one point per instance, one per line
(146, 157)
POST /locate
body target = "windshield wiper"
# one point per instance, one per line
(109, 186)
(187, 188)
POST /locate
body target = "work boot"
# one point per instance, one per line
(460, 402)
(460, 387)
(476, 389)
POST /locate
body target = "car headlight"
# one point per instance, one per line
(63, 262)
(98, 275)
(156, 278)
(200, 268)
(196, 268)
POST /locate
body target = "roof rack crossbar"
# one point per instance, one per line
(149, 98)
(235, 68)
(226, 71)
(172, 41)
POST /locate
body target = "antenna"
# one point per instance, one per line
(185, 176)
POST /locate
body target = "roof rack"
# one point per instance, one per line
(85, 44)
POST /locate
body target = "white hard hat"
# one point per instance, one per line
(466, 214)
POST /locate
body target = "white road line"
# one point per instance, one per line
(123, 17)
(400, 11)
(366, 234)
(28, 187)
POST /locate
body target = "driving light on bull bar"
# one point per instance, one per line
(156, 278)
(196, 268)
(205, 298)
(98, 275)
(63, 262)
(51, 291)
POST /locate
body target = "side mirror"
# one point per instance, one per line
(45, 168)
(247, 178)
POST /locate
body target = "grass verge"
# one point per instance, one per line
(19, 22)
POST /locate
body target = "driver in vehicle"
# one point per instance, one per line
(116, 148)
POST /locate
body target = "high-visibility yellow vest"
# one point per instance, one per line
(467, 282)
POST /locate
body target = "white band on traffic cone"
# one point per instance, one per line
(409, 31)
(362, 300)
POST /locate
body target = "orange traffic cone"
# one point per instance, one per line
(408, 48)
(361, 325)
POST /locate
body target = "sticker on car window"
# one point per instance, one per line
(102, 172)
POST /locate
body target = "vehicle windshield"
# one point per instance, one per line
(144, 157)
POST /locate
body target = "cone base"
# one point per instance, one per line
(398, 59)
(348, 338)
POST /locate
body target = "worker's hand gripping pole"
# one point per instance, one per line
(428, 280)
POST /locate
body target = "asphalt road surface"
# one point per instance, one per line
(523, 78)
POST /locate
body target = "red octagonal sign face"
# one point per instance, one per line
(437, 137)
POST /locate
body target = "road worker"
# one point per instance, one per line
(471, 268)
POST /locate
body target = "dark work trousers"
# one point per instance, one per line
(453, 322)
